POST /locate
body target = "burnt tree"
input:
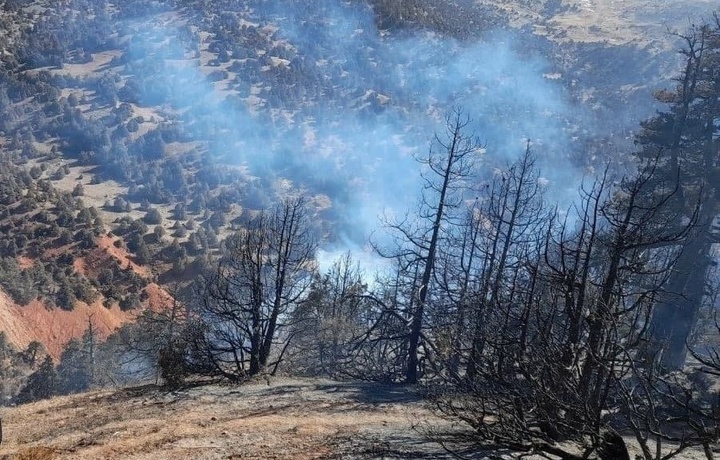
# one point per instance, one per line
(448, 166)
(263, 275)
(686, 139)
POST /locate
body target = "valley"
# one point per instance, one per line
(238, 188)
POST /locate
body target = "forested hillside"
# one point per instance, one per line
(510, 202)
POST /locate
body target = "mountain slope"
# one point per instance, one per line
(55, 327)
(169, 123)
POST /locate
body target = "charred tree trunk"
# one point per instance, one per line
(453, 156)
(447, 167)
(675, 316)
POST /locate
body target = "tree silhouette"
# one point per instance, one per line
(687, 138)
(449, 164)
(262, 276)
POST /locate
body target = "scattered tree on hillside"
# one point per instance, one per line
(78, 190)
(40, 384)
(30, 355)
(153, 217)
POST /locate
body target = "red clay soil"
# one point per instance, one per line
(55, 327)
(105, 254)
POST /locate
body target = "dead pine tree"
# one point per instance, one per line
(447, 168)
(509, 221)
(686, 138)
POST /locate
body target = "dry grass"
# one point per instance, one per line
(36, 453)
(299, 419)
(612, 22)
(289, 419)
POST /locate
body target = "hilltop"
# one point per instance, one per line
(136, 136)
(281, 419)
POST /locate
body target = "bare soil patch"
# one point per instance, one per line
(282, 419)
(55, 327)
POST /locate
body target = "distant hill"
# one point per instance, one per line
(136, 135)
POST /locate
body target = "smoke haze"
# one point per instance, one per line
(326, 102)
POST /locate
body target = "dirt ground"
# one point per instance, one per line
(285, 419)
(299, 419)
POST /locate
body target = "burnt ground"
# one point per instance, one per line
(282, 419)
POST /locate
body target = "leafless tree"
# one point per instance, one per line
(509, 221)
(156, 345)
(449, 165)
(551, 360)
(262, 276)
(669, 413)
(327, 322)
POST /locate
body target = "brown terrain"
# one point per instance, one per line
(54, 327)
(278, 418)
(274, 419)
(613, 22)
